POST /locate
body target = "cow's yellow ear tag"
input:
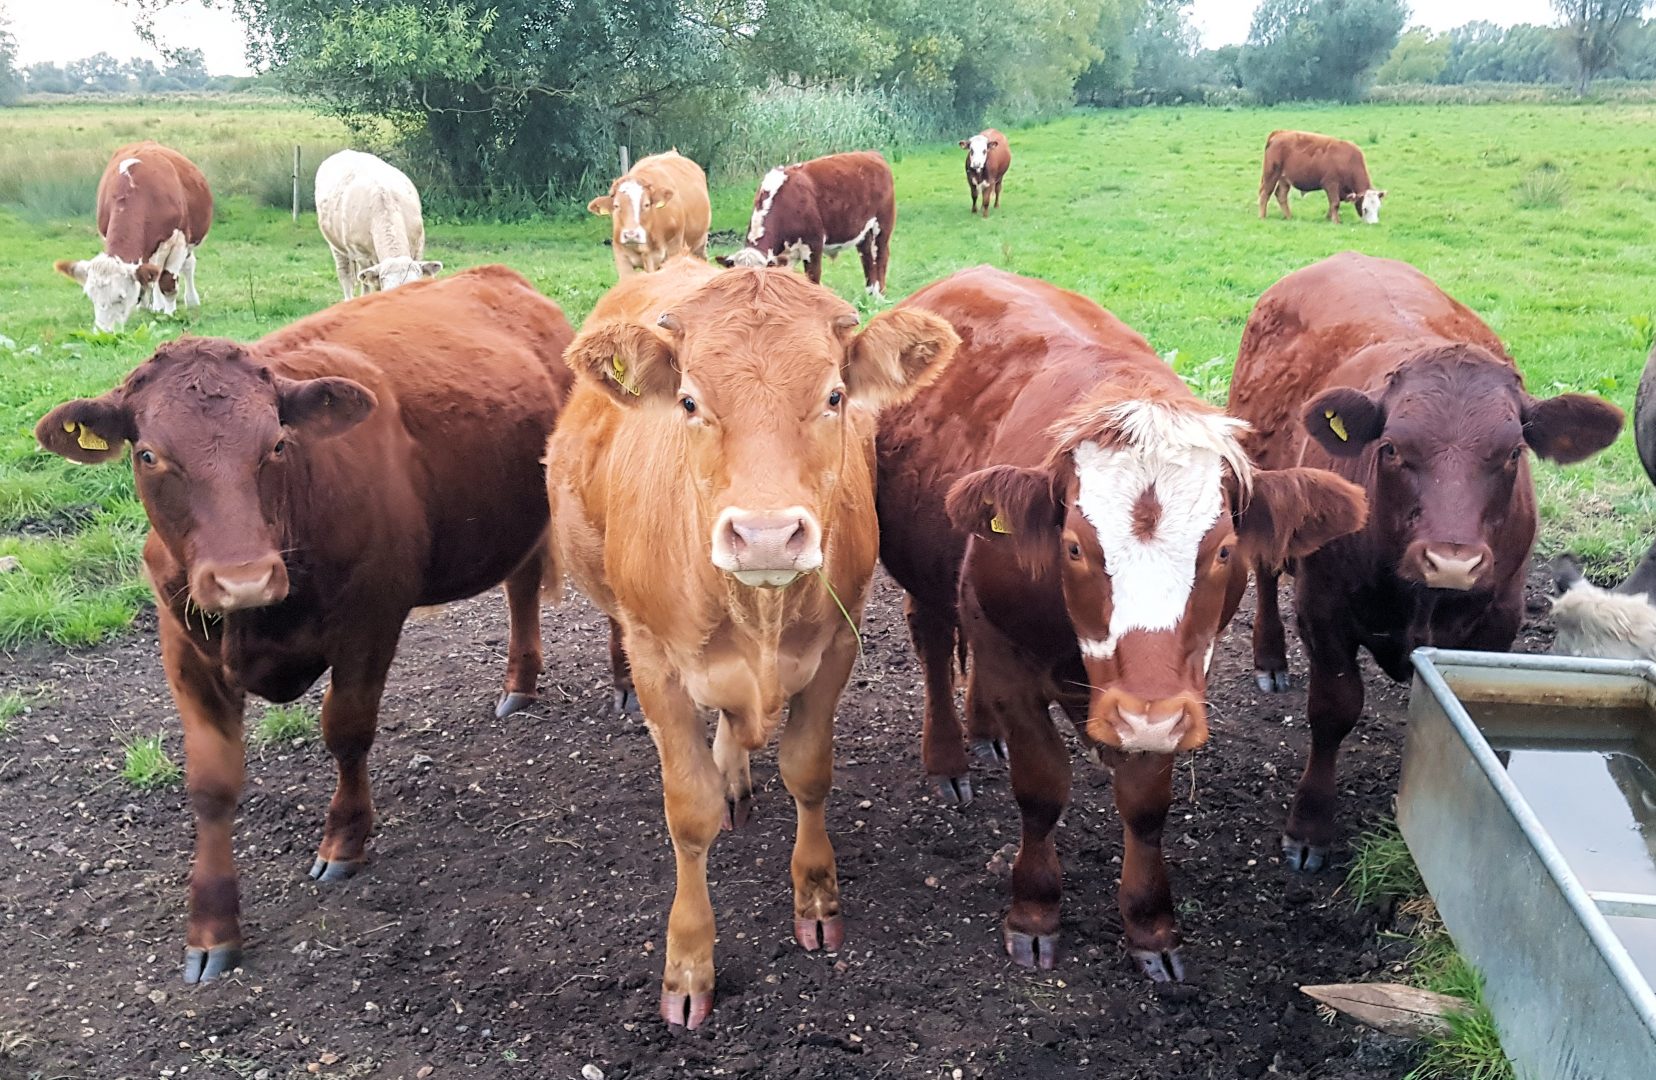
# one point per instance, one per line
(998, 524)
(85, 436)
(1335, 424)
(619, 370)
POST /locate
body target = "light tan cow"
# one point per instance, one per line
(658, 209)
(713, 492)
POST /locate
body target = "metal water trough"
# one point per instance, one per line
(1568, 1000)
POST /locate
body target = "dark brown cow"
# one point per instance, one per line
(304, 493)
(713, 491)
(988, 156)
(1311, 162)
(1064, 506)
(823, 206)
(1363, 366)
(153, 210)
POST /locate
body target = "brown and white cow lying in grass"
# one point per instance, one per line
(1061, 503)
(304, 493)
(658, 209)
(712, 490)
(1365, 367)
(154, 208)
(1311, 162)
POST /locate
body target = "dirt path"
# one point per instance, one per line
(512, 920)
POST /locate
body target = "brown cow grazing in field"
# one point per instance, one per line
(304, 493)
(1365, 367)
(823, 206)
(658, 209)
(153, 210)
(712, 490)
(1311, 162)
(988, 156)
(1063, 505)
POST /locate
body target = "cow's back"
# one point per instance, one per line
(158, 191)
(474, 365)
(368, 208)
(848, 189)
(690, 212)
(1310, 161)
(1347, 320)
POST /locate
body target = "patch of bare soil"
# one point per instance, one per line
(512, 920)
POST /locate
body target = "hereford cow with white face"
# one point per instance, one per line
(988, 156)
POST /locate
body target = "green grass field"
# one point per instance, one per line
(1540, 217)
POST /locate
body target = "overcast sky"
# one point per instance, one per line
(69, 29)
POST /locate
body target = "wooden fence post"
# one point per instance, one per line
(626, 160)
(296, 183)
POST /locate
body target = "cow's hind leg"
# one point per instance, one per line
(1282, 191)
(523, 656)
(347, 271)
(869, 248)
(192, 299)
(806, 761)
(693, 795)
(350, 713)
(1334, 703)
(623, 696)
(882, 256)
(942, 744)
(1270, 643)
(732, 759)
(1144, 790)
(214, 771)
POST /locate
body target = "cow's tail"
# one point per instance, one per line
(960, 649)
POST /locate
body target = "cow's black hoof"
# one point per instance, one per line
(1304, 857)
(1272, 682)
(624, 702)
(512, 703)
(205, 965)
(991, 749)
(953, 790)
(1159, 965)
(1032, 950)
(325, 870)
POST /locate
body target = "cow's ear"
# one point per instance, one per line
(76, 269)
(1379, 194)
(632, 363)
(726, 261)
(1010, 504)
(1344, 420)
(88, 430)
(148, 274)
(431, 268)
(1293, 512)
(993, 143)
(322, 408)
(370, 276)
(662, 196)
(1570, 427)
(963, 144)
(603, 204)
(898, 352)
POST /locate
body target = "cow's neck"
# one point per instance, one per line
(127, 235)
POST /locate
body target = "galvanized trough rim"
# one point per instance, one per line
(1628, 976)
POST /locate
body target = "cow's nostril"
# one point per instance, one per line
(796, 542)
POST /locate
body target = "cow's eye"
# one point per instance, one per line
(276, 451)
(835, 398)
(1517, 452)
(1224, 553)
(689, 404)
(1075, 551)
(147, 457)
(1388, 451)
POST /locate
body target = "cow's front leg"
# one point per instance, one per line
(942, 748)
(523, 652)
(732, 758)
(971, 185)
(813, 264)
(350, 714)
(623, 695)
(1144, 790)
(1334, 701)
(1270, 643)
(806, 760)
(214, 771)
(693, 794)
(192, 299)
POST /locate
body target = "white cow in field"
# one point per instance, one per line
(369, 213)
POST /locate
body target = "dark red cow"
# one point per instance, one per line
(304, 493)
(1061, 504)
(802, 212)
(1365, 367)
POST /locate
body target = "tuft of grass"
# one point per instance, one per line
(1544, 187)
(288, 724)
(12, 705)
(148, 768)
(1471, 1048)
(1382, 869)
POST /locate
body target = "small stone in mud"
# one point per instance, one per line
(589, 1071)
(157, 997)
(420, 762)
(423, 1072)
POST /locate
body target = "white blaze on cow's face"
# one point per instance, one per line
(977, 152)
(630, 199)
(1368, 205)
(111, 285)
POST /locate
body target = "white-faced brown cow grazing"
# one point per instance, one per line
(304, 493)
(802, 212)
(1365, 367)
(988, 156)
(369, 213)
(712, 490)
(1311, 162)
(1060, 504)
(658, 209)
(154, 208)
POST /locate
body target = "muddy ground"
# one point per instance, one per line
(512, 920)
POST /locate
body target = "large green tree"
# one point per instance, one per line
(11, 80)
(1593, 32)
(1420, 56)
(1300, 49)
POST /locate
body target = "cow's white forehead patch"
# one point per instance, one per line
(1180, 459)
(633, 192)
(977, 151)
